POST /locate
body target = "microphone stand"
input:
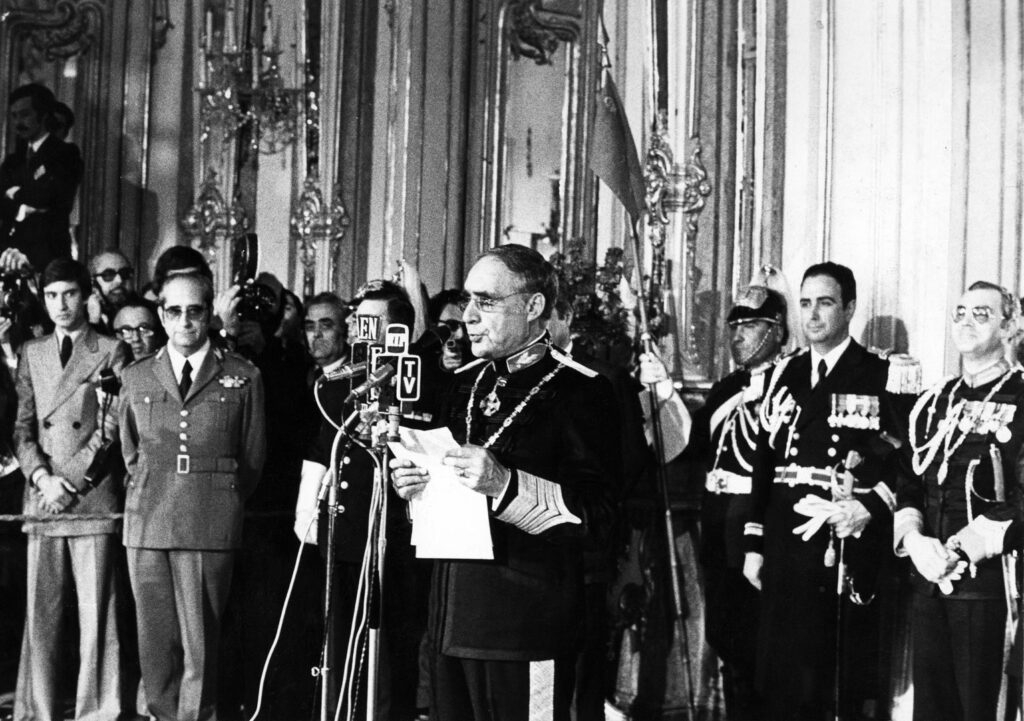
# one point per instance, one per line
(377, 538)
(675, 574)
(328, 615)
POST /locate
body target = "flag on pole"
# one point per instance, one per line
(613, 156)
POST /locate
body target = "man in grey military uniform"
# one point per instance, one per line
(192, 433)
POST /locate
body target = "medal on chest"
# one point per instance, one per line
(491, 403)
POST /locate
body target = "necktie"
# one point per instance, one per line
(822, 370)
(65, 351)
(186, 380)
(29, 154)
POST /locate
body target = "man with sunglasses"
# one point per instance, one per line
(192, 434)
(959, 489)
(821, 504)
(539, 439)
(113, 281)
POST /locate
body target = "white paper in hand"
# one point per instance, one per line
(449, 520)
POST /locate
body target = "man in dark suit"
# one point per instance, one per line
(58, 431)
(193, 437)
(829, 421)
(38, 182)
(536, 441)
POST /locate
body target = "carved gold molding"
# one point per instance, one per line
(313, 222)
(66, 29)
(535, 34)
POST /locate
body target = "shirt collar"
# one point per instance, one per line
(525, 357)
(74, 334)
(195, 360)
(331, 367)
(832, 357)
(36, 143)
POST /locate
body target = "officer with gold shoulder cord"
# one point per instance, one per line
(821, 505)
(192, 434)
(538, 437)
(724, 435)
(959, 490)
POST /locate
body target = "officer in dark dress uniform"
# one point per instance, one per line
(724, 435)
(539, 440)
(406, 578)
(959, 489)
(828, 429)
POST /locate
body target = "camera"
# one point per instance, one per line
(256, 302)
(15, 294)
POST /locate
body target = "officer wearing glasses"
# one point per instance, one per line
(958, 491)
(138, 326)
(193, 438)
(539, 439)
(113, 282)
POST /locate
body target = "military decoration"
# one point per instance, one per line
(850, 410)
(491, 403)
(233, 381)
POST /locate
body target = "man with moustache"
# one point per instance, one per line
(959, 490)
(829, 424)
(114, 285)
(539, 440)
(723, 438)
(38, 182)
(192, 434)
(58, 430)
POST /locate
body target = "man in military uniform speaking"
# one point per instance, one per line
(959, 489)
(828, 425)
(724, 435)
(192, 433)
(539, 438)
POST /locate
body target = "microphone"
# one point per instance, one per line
(376, 379)
(109, 383)
(345, 371)
(433, 337)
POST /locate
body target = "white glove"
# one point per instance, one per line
(982, 538)
(313, 475)
(752, 565)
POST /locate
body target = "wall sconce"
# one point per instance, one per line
(313, 221)
(211, 220)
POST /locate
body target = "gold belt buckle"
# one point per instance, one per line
(183, 463)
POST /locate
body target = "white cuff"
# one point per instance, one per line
(313, 475)
(753, 529)
(538, 506)
(887, 496)
(905, 521)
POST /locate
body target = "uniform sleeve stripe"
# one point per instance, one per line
(753, 529)
(886, 494)
(537, 506)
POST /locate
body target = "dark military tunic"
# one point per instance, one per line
(961, 463)
(724, 437)
(526, 604)
(804, 443)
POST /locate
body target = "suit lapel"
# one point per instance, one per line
(45, 367)
(85, 357)
(206, 373)
(165, 373)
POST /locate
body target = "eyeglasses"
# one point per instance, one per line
(485, 305)
(981, 314)
(192, 312)
(126, 332)
(109, 274)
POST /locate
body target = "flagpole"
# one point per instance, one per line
(675, 571)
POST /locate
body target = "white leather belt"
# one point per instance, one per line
(808, 476)
(719, 481)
